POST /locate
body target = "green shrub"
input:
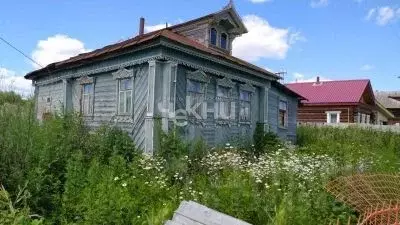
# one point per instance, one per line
(16, 212)
(264, 141)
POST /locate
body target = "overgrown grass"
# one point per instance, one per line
(73, 176)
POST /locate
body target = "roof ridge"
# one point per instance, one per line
(327, 81)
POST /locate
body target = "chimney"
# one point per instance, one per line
(318, 80)
(141, 26)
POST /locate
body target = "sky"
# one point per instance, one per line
(333, 39)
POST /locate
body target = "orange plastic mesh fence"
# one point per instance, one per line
(375, 196)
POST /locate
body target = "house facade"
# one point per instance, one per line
(345, 101)
(390, 100)
(183, 76)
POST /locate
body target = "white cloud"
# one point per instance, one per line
(301, 78)
(383, 15)
(367, 67)
(296, 37)
(56, 48)
(10, 81)
(155, 27)
(370, 14)
(319, 3)
(263, 40)
(259, 1)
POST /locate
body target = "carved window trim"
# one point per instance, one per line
(202, 78)
(227, 84)
(246, 87)
(119, 76)
(84, 81)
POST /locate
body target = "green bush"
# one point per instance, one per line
(16, 212)
(264, 141)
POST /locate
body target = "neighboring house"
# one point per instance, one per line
(345, 101)
(390, 100)
(183, 75)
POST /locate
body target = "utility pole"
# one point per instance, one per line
(282, 75)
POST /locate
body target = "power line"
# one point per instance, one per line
(21, 52)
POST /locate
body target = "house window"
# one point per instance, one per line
(224, 102)
(125, 96)
(245, 103)
(195, 101)
(224, 41)
(87, 99)
(333, 117)
(282, 113)
(213, 36)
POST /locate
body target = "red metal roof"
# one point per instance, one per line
(330, 92)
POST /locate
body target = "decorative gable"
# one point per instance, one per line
(216, 30)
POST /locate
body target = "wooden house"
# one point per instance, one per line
(390, 100)
(183, 75)
(343, 101)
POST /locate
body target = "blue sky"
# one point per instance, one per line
(335, 39)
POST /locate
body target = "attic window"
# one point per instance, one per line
(224, 39)
(213, 36)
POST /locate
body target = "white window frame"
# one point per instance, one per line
(227, 84)
(83, 81)
(245, 118)
(286, 117)
(121, 75)
(87, 106)
(126, 93)
(224, 103)
(328, 116)
(193, 98)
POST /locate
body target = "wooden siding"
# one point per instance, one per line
(50, 99)
(289, 132)
(317, 114)
(104, 110)
(64, 87)
(216, 132)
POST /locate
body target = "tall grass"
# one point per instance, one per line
(72, 176)
(372, 150)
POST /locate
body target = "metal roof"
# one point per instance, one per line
(331, 92)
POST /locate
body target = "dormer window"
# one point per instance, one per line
(224, 41)
(213, 36)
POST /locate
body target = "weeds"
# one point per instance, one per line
(74, 176)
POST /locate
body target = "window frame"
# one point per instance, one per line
(211, 36)
(285, 115)
(120, 75)
(125, 102)
(224, 102)
(89, 102)
(242, 102)
(328, 117)
(201, 77)
(201, 93)
(226, 47)
(83, 81)
(229, 85)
